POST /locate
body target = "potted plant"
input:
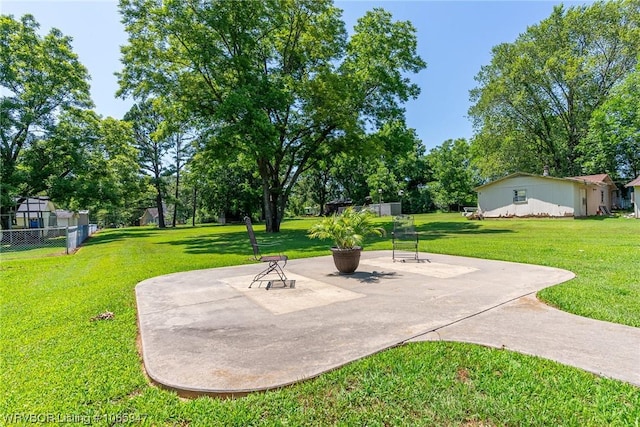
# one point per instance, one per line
(347, 230)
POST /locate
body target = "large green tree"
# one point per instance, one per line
(274, 81)
(223, 189)
(87, 162)
(153, 144)
(40, 78)
(453, 175)
(534, 100)
(613, 145)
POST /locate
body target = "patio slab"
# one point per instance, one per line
(206, 332)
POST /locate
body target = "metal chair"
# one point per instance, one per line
(272, 260)
(404, 239)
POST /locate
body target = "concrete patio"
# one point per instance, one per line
(206, 332)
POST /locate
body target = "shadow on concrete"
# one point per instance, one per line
(367, 276)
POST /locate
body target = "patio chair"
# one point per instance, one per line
(405, 239)
(275, 263)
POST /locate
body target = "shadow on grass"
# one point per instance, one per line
(436, 230)
(238, 243)
(226, 239)
(595, 218)
(116, 234)
(103, 237)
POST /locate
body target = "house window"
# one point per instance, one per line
(519, 196)
(601, 196)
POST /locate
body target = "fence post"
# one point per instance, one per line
(67, 245)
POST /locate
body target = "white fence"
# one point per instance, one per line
(67, 239)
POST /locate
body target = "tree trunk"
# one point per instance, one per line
(271, 214)
(175, 204)
(5, 217)
(161, 223)
(193, 218)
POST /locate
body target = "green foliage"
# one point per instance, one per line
(273, 82)
(153, 144)
(453, 175)
(347, 229)
(613, 143)
(391, 159)
(228, 189)
(41, 78)
(534, 100)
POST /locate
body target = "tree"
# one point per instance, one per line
(388, 159)
(454, 177)
(535, 99)
(224, 189)
(613, 145)
(41, 78)
(180, 135)
(102, 172)
(276, 81)
(152, 145)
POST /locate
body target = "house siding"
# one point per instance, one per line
(544, 197)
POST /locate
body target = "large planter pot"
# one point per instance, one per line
(346, 260)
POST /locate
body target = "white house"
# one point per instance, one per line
(530, 195)
(635, 196)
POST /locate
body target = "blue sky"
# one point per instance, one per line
(454, 38)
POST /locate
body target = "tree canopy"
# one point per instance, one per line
(453, 175)
(535, 99)
(41, 78)
(276, 82)
(613, 143)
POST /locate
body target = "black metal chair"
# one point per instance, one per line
(273, 261)
(405, 239)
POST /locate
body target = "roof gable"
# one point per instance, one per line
(518, 174)
(36, 204)
(600, 179)
(61, 213)
(634, 183)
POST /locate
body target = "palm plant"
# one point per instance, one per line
(347, 229)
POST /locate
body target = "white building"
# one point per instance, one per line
(635, 196)
(529, 195)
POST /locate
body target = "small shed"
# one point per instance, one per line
(529, 195)
(150, 216)
(36, 212)
(635, 196)
(67, 218)
(83, 217)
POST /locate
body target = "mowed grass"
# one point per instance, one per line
(58, 363)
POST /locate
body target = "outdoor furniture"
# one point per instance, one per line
(405, 239)
(275, 263)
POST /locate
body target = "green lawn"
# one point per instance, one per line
(57, 363)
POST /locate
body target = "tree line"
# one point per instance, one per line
(274, 107)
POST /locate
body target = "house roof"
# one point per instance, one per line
(513, 175)
(600, 179)
(35, 204)
(61, 213)
(634, 183)
(153, 212)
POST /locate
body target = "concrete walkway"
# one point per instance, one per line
(206, 332)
